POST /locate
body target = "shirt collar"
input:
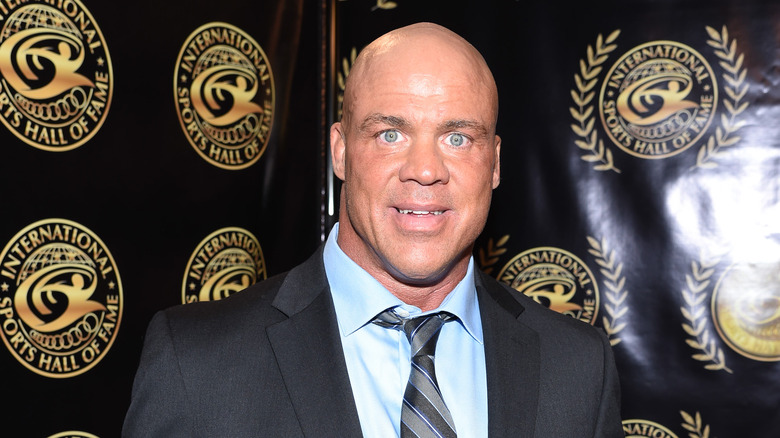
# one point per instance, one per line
(358, 297)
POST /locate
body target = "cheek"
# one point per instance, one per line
(364, 191)
(475, 189)
(476, 177)
(370, 174)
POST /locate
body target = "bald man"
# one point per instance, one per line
(388, 329)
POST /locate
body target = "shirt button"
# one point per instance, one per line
(400, 311)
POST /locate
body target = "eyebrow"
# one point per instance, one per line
(400, 122)
(376, 118)
(470, 124)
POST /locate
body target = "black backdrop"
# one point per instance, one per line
(142, 188)
(673, 253)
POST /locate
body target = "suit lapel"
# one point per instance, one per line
(308, 350)
(512, 359)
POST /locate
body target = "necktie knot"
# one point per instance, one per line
(423, 332)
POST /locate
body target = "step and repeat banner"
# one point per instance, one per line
(151, 154)
(640, 187)
(162, 153)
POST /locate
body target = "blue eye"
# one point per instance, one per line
(456, 139)
(390, 136)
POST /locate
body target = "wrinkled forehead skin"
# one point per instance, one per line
(425, 54)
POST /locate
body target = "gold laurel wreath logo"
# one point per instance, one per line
(612, 271)
(583, 97)
(346, 65)
(73, 434)
(701, 338)
(694, 425)
(616, 307)
(489, 257)
(735, 88)
(384, 4)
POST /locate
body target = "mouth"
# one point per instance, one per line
(420, 213)
(421, 220)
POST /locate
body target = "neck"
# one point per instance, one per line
(425, 296)
(426, 291)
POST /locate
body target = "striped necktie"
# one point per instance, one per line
(423, 413)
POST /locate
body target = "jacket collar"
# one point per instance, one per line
(512, 359)
(308, 350)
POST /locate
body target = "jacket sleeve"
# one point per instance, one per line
(608, 423)
(158, 407)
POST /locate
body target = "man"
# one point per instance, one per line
(313, 352)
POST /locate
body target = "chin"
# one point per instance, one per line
(419, 275)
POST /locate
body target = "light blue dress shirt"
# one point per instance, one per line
(378, 359)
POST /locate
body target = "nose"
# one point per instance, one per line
(424, 164)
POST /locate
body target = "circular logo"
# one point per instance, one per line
(644, 428)
(555, 278)
(746, 310)
(56, 80)
(60, 298)
(227, 261)
(658, 99)
(73, 434)
(224, 93)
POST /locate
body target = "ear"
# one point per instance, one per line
(497, 164)
(337, 150)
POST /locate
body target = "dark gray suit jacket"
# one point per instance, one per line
(268, 362)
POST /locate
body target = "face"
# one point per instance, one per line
(419, 159)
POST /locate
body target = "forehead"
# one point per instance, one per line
(422, 98)
(426, 76)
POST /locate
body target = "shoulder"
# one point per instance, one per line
(552, 327)
(254, 308)
(257, 295)
(245, 310)
(571, 359)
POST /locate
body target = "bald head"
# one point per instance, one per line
(413, 52)
(418, 156)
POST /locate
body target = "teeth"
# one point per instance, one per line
(420, 212)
